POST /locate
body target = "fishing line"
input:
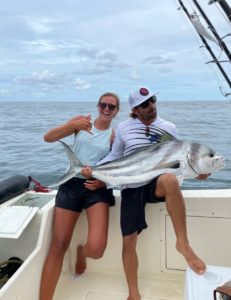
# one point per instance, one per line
(219, 79)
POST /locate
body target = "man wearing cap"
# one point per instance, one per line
(136, 132)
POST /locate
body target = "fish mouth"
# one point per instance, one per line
(223, 162)
(219, 161)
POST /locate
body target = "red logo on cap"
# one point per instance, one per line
(144, 92)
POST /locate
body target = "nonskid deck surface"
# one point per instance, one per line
(97, 286)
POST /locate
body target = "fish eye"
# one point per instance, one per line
(211, 154)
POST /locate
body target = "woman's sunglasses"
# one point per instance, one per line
(145, 104)
(103, 105)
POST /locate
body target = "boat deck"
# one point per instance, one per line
(98, 286)
(161, 274)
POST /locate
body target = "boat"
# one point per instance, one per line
(163, 273)
(26, 229)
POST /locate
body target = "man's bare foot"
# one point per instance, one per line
(195, 263)
(81, 264)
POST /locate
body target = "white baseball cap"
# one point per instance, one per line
(139, 96)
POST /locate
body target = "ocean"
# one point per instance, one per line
(23, 124)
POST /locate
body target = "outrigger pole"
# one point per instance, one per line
(212, 28)
(215, 60)
(225, 6)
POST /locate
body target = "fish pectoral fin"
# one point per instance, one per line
(170, 165)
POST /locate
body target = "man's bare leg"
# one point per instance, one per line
(130, 262)
(168, 187)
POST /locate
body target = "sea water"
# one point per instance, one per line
(23, 124)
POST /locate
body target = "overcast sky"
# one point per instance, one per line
(78, 49)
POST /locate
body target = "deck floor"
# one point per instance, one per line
(98, 286)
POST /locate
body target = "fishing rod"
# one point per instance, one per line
(225, 6)
(212, 28)
(215, 60)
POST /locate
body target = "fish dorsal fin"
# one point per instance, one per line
(155, 135)
(166, 137)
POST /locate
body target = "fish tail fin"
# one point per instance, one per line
(74, 169)
(75, 164)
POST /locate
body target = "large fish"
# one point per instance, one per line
(185, 159)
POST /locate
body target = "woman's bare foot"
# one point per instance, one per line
(131, 298)
(81, 264)
(195, 263)
(134, 295)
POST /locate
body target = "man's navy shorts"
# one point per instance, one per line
(133, 202)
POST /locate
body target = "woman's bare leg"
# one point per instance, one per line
(97, 217)
(63, 227)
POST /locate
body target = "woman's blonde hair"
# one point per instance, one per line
(108, 94)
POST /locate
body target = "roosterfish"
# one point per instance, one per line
(185, 159)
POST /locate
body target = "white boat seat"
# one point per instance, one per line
(14, 220)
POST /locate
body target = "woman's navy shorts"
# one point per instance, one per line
(73, 195)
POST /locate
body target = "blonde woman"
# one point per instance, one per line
(92, 142)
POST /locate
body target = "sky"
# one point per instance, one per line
(76, 50)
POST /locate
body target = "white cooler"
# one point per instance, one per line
(201, 287)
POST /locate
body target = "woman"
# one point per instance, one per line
(92, 141)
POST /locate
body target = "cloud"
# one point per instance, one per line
(46, 47)
(157, 60)
(85, 50)
(4, 92)
(110, 64)
(45, 77)
(39, 45)
(100, 63)
(38, 24)
(134, 75)
(41, 23)
(77, 52)
(165, 69)
(82, 84)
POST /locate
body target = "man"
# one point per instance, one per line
(135, 132)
